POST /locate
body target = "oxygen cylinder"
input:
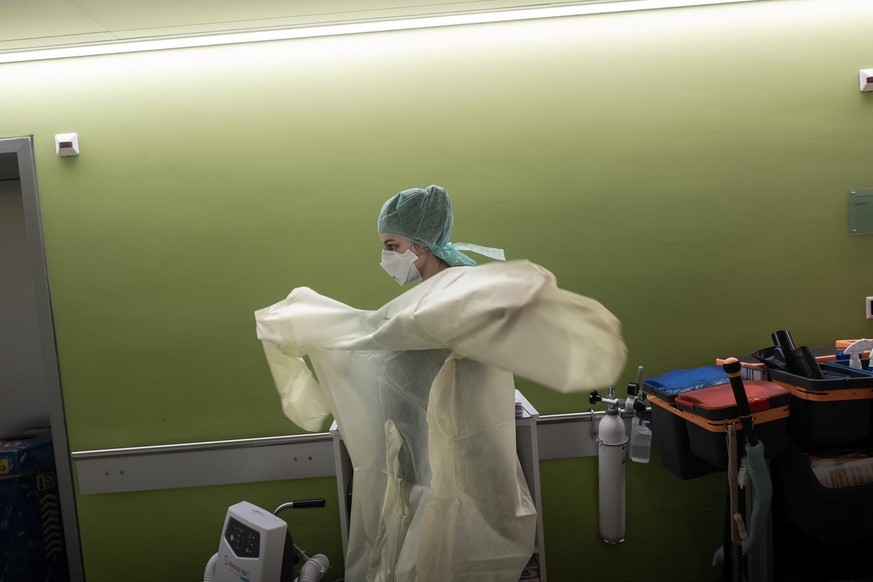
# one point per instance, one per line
(611, 444)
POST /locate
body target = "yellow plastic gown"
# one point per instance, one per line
(422, 390)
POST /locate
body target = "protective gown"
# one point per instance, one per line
(423, 392)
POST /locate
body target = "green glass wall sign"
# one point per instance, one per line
(861, 212)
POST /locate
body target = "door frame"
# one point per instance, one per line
(23, 147)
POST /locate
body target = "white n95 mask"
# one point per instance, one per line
(400, 266)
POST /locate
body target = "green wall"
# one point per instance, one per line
(688, 168)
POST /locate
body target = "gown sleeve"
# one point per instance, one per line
(303, 400)
(512, 316)
(300, 324)
(508, 315)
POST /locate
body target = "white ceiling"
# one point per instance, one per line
(29, 24)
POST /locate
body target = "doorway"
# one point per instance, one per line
(30, 385)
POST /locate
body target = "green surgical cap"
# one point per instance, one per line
(424, 216)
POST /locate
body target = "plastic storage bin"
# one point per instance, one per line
(753, 369)
(832, 516)
(750, 368)
(670, 435)
(705, 415)
(710, 411)
(670, 384)
(673, 445)
(829, 412)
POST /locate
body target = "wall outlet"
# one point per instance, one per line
(869, 307)
(866, 80)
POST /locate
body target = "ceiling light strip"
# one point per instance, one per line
(350, 28)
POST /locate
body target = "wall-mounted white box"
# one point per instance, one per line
(67, 144)
(865, 78)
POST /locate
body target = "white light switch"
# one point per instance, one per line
(67, 144)
(866, 80)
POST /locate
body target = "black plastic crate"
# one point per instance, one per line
(705, 415)
(674, 447)
(832, 516)
(829, 412)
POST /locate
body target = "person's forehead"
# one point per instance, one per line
(393, 238)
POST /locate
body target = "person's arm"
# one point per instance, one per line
(512, 316)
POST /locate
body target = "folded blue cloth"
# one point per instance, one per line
(678, 381)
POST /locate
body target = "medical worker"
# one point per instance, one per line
(423, 392)
(415, 226)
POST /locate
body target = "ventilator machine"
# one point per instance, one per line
(256, 546)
